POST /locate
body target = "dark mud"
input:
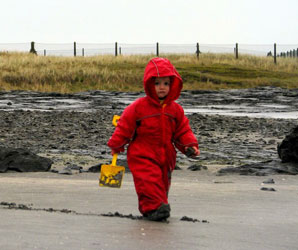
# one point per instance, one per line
(13, 205)
(185, 218)
(55, 125)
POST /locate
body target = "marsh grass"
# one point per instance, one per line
(23, 71)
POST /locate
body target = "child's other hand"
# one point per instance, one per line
(192, 151)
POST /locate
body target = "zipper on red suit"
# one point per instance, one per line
(163, 133)
(164, 167)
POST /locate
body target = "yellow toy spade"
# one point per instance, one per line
(112, 175)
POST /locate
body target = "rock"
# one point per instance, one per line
(83, 171)
(66, 171)
(177, 167)
(272, 141)
(197, 167)
(22, 160)
(262, 168)
(95, 169)
(75, 167)
(288, 149)
(268, 181)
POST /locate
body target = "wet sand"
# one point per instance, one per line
(240, 214)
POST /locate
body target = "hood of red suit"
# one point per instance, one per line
(162, 67)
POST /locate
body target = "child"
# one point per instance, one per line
(152, 125)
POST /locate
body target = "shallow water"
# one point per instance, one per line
(266, 102)
(254, 112)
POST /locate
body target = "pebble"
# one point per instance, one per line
(269, 181)
(197, 167)
(66, 171)
(267, 189)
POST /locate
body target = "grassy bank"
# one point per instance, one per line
(20, 71)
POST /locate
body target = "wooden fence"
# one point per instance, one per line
(291, 53)
(118, 50)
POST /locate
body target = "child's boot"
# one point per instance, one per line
(160, 214)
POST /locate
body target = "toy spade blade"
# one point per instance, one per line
(111, 175)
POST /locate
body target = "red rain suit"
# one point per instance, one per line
(152, 129)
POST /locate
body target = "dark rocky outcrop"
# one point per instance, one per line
(80, 124)
(22, 160)
(262, 168)
(288, 149)
(288, 153)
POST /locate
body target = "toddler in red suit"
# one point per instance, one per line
(153, 126)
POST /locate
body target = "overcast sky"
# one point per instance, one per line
(150, 21)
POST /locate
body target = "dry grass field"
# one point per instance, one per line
(24, 71)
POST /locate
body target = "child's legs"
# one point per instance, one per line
(149, 183)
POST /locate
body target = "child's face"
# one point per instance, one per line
(162, 86)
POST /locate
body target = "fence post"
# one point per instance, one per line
(236, 51)
(274, 53)
(83, 52)
(198, 51)
(74, 49)
(32, 50)
(44, 52)
(157, 49)
(119, 50)
(116, 48)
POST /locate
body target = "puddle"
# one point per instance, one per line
(243, 113)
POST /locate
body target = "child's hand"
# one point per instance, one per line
(113, 152)
(118, 151)
(192, 151)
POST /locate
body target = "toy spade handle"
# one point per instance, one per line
(114, 161)
(115, 120)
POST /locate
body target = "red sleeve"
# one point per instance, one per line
(125, 129)
(183, 137)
